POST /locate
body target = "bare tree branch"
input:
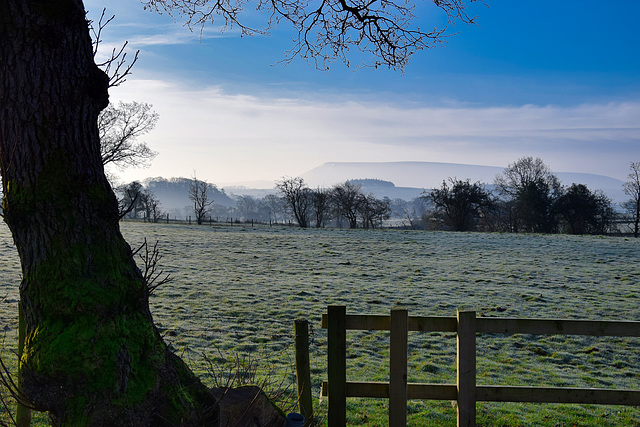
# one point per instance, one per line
(298, 198)
(153, 278)
(119, 128)
(198, 194)
(123, 207)
(327, 29)
(116, 66)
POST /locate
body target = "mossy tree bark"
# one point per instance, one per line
(92, 354)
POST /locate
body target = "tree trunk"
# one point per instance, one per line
(636, 219)
(92, 354)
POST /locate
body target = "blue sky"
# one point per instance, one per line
(558, 80)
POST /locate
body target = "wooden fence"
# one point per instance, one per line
(466, 325)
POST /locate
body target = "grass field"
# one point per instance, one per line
(237, 290)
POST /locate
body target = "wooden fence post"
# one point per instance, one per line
(337, 365)
(466, 368)
(398, 367)
(303, 371)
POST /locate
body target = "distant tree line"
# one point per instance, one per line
(135, 201)
(141, 200)
(343, 204)
(526, 197)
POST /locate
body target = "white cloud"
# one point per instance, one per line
(232, 138)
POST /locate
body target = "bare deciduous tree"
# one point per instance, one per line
(129, 202)
(523, 172)
(150, 205)
(119, 129)
(198, 194)
(530, 189)
(347, 198)
(410, 213)
(276, 207)
(373, 210)
(632, 189)
(298, 198)
(115, 66)
(321, 204)
(461, 202)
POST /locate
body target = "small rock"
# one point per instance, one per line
(247, 406)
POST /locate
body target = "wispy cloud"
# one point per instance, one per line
(169, 37)
(140, 30)
(234, 137)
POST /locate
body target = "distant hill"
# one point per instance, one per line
(396, 180)
(412, 177)
(402, 174)
(373, 183)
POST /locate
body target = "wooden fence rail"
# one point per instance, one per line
(466, 325)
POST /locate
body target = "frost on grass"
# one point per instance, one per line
(239, 290)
